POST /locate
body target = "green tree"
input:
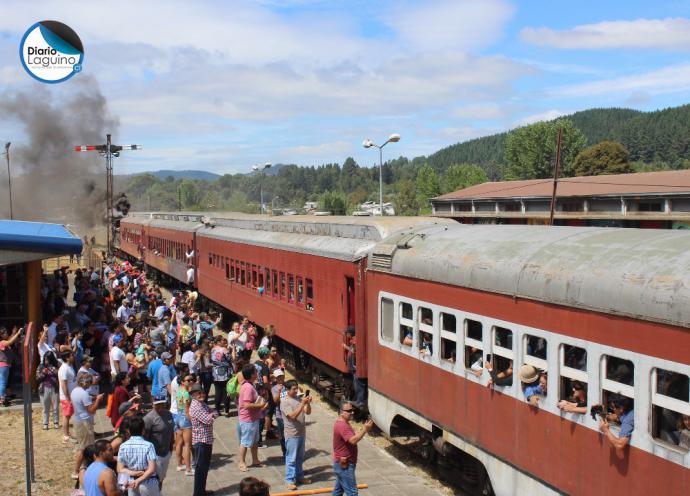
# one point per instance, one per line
(333, 202)
(427, 187)
(607, 157)
(530, 151)
(139, 184)
(462, 176)
(406, 202)
(189, 194)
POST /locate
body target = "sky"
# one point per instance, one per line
(222, 85)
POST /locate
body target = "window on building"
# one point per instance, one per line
(474, 355)
(573, 375)
(291, 288)
(571, 206)
(502, 357)
(448, 337)
(406, 324)
(387, 320)
(671, 408)
(425, 339)
(310, 295)
(655, 206)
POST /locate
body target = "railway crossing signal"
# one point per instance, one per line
(108, 150)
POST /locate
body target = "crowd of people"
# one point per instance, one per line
(152, 363)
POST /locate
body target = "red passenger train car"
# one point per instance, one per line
(434, 303)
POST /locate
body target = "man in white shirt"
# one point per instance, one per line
(58, 320)
(118, 358)
(124, 312)
(66, 382)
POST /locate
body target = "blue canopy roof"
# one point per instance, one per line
(55, 239)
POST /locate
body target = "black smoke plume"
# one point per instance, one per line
(50, 181)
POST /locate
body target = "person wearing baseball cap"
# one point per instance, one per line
(165, 375)
(159, 430)
(118, 358)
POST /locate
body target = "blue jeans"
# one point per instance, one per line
(294, 458)
(345, 482)
(281, 433)
(4, 378)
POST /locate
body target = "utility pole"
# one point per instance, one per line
(9, 175)
(109, 151)
(179, 199)
(555, 175)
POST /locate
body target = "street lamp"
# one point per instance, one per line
(394, 138)
(261, 169)
(9, 177)
(273, 208)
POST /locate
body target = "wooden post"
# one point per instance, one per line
(323, 490)
(555, 175)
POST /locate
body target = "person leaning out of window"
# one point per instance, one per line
(624, 414)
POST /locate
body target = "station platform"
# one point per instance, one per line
(385, 475)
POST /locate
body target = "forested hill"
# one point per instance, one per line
(660, 136)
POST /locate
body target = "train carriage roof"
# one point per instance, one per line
(343, 238)
(641, 273)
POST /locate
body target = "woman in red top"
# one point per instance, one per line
(6, 360)
(120, 395)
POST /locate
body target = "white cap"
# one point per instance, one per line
(278, 373)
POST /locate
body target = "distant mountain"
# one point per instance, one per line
(182, 174)
(659, 136)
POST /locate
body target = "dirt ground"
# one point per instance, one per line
(53, 460)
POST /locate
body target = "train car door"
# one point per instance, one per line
(350, 302)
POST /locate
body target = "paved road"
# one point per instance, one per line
(385, 475)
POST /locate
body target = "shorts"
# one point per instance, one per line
(249, 434)
(67, 408)
(182, 422)
(83, 432)
(162, 463)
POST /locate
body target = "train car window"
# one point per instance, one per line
(502, 359)
(227, 269)
(243, 276)
(275, 284)
(406, 324)
(291, 288)
(232, 270)
(210, 259)
(448, 337)
(387, 320)
(474, 356)
(261, 278)
(620, 370)
(535, 352)
(618, 379)
(425, 339)
(300, 291)
(283, 293)
(268, 280)
(670, 408)
(255, 277)
(573, 378)
(310, 295)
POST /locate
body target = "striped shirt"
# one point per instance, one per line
(202, 422)
(136, 453)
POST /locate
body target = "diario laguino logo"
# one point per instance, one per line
(51, 52)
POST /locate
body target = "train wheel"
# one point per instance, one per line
(428, 453)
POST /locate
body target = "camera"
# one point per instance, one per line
(597, 410)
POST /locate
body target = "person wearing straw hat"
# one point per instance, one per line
(533, 384)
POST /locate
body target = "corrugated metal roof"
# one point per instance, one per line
(633, 272)
(40, 239)
(642, 183)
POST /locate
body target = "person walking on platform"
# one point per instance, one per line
(345, 451)
(202, 438)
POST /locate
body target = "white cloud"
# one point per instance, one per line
(486, 111)
(670, 33)
(336, 150)
(670, 79)
(547, 115)
(449, 24)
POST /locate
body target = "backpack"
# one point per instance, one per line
(233, 388)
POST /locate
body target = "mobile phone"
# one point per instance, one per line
(307, 392)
